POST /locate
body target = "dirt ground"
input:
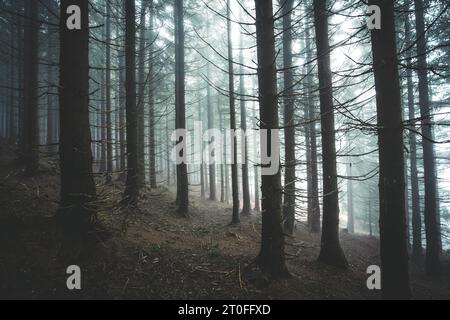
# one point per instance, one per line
(151, 253)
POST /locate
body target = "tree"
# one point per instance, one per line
(151, 93)
(30, 87)
(109, 144)
(350, 207)
(246, 207)
(234, 171)
(271, 258)
(289, 131)
(415, 196)
(141, 93)
(331, 251)
(432, 259)
(180, 106)
(393, 244)
(132, 182)
(313, 190)
(77, 184)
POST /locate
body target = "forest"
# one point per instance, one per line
(225, 149)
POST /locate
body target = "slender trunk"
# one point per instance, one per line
(31, 124)
(233, 141)
(350, 213)
(246, 206)
(393, 244)
(132, 183)
(182, 176)
(256, 171)
(50, 85)
(331, 251)
(289, 131)
(102, 123)
(432, 259)
(122, 121)
(109, 138)
(151, 119)
(314, 205)
(141, 94)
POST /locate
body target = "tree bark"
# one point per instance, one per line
(289, 131)
(152, 137)
(141, 94)
(182, 176)
(132, 182)
(393, 244)
(233, 141)
(109, 138)
(31, 123)
(77, 184)
(331, 251)
(271, 258)
(246, 206)
(415, 196)
(432, 259)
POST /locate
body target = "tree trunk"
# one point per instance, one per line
(141, 94)
(132, 183)
(393, 244)
(415, 196)
(182, 176)
(256, 171)
(289, 131)
(233, 141)
(432, 259)
(122, 120)
(151, 119)
(31, 121)
(271, 258)
(246, 206)
(77, 183)
(350, 213)
(109, 142)
(313, 203)
(331, 251)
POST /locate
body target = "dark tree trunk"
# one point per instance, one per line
(313, 203)
(256, 172)
(77, 183)
(132, 183)
(202, 174)
(222, 166)
(122, 121)
(31, 124)
(331, 251)
(350, 213)
(152, 138)
(109, 142)
(210, 115)
(51, 83)
(233, 141)
(393, 244)
(271, 258)
(141, 94)
(246, 206)
(180, 122)
(415, 196)
(102, 115)
(432, 259)
(289, 131)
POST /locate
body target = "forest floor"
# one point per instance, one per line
(151, 253)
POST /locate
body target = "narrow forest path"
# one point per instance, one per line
(151, 253)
